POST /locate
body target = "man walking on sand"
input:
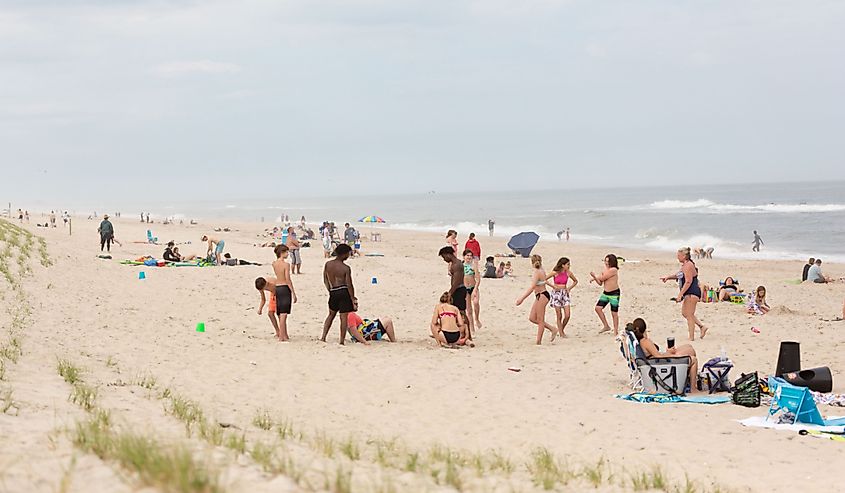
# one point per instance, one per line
(285, 293)
(757, 242)
(217, 246)
(457, 290)
(337, 277)
(490, 225)
(295, 256)
(106, 231)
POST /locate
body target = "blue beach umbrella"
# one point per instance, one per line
(523, 243)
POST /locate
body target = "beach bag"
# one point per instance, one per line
(747, 390)
(151, 262)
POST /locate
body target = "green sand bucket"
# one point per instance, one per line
(201, 327)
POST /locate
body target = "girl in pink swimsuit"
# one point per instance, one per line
(561, 300)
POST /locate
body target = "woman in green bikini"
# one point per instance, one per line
(472, 279)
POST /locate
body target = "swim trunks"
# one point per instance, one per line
(560, 299)
(220, 245)
(295, 257)
(340, 300)
(459, 298)
(272, 305)
(611, 297)
(284, 299)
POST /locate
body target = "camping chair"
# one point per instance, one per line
(151, 238)
(716, 372)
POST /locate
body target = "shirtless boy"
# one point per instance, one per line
(216, 245)
(268, 284)
(609, 280)
(337, 277)
(285, 293)
(457, 290)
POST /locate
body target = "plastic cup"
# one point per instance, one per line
(670, 342)
(201, 327)
(141, 275)
(375, 281)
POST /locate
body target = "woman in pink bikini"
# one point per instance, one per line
(560, 277)
(447, 325)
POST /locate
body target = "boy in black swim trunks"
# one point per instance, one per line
(337, 277)
(457, 291)
(285, 294)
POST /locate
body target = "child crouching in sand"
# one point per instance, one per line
(447, 324)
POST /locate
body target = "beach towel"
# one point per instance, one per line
(666, 398)
(761, 422)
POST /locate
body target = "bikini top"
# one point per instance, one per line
(447, 314)
(561, 277)
(468, 270)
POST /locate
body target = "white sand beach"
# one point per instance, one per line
(406, 416)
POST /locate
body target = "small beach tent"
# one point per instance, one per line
(523, 243)
(371, 219)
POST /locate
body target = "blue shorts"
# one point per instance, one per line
(220, 245)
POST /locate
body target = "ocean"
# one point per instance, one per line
(795, 220)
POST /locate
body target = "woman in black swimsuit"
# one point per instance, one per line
(541, 299)
(690, 292)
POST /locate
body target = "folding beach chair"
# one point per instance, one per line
(796, 400)
(628, 347)
(150, 238)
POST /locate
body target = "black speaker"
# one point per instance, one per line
(818, 379)
(789, 358)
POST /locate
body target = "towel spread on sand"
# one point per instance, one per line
(761, 422)
(666, 398)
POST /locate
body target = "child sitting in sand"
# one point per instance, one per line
(508, 269)
(757, 304)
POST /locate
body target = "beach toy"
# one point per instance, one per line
(789, 358)
(818, 379)
(141, 275)
(755, 330)
(201, 327)
(375, 281)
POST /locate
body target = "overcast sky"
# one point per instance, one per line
(183, 99)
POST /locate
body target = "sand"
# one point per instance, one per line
(122, 331)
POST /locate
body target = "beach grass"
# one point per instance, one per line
(68, 371)
(169, 469)
(6, 400)
(263, 420)
(84, 395)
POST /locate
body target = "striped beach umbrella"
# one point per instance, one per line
(371, 219)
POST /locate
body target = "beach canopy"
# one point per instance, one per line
(371, 219)
(523, 243)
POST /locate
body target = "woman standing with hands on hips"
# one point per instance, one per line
(560, 276)
(690, 291)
